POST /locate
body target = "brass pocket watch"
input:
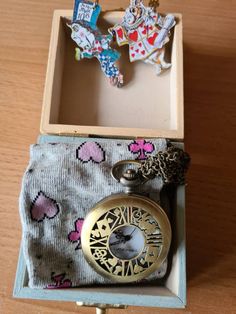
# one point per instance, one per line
(126, 236)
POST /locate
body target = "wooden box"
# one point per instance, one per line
(79, 101)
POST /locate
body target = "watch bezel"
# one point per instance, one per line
(133, 200)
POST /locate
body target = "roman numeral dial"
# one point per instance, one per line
(126, 237)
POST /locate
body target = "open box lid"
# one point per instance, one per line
(78, 100)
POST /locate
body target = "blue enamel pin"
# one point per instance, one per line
(91, 42)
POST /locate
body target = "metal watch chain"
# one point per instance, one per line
(171, 165)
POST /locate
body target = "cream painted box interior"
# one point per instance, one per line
(79, 100)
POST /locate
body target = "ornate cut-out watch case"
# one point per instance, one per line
(126, 236)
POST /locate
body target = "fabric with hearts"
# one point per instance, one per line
(61, 184)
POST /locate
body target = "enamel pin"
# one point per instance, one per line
(146, 32)
(91, 42)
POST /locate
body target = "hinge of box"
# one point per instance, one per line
(102, 308)
(74, 134)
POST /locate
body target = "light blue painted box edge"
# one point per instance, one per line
(116, 295)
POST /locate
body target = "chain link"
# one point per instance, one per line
(171, 165)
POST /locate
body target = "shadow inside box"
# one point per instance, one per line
(210, 95)
(123, 63)
(83, 97)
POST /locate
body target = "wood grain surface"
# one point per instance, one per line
(210, 134)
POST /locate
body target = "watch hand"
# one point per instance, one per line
(129, 236)
(123, 238)
(119, 235)
(133, 231)
(116, 242)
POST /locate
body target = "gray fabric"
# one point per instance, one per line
(61, 185)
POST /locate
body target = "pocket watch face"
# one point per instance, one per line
(126, 237)
(126, 242)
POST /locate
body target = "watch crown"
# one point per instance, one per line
(130, 174)
(130, 179)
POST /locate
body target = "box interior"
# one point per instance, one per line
(81, 95)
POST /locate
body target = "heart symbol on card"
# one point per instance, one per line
(144, 32)
(133, 55)
(90, 151)
(133, 36)
(43, 207)
(120, 33)
(152, 39)
(143, 52)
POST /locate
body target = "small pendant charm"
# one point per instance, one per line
(146, 32)
(91, 42)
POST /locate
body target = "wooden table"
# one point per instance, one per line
(210, 129)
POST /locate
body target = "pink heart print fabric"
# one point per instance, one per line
(91, 151)
(43, 207)
(62, 182)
